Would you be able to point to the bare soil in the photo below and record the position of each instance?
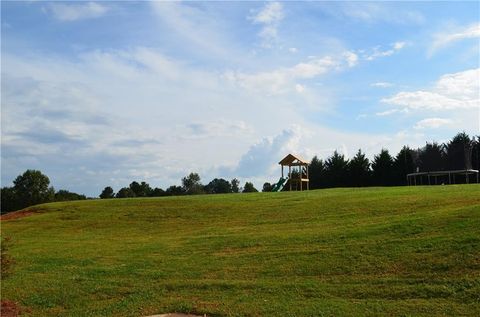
(9, 309)
(17, 214)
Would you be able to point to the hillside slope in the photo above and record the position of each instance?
(376, 251)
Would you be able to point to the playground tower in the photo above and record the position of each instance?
(297, 173)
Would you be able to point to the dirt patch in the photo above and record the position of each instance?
(17, 214)
(9, 309)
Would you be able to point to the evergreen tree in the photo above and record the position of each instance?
(336, 169)
(249, 188)
(107, 192)
(316, 171)
(403, 164)
(359, 170)
(382, 167)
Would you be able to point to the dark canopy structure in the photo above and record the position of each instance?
(441, 177)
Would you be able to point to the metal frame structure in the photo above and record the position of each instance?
(433, 177)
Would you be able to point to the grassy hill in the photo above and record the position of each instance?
(405, 251)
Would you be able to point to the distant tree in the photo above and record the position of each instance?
(235, 185)
(125, 192)
(65, 195)
(249, 188)
(218, 186)
(9, 199)
(432, 157)
(316, 171)
(175, 191)
(476, 153)
(404, 163)
(458, 152)
(336, 169)
(107, 192)
(382, 167)
(157, 192)
(33, 187)
(267, 187)
(192, 185)
(141, 190)
(359, 170)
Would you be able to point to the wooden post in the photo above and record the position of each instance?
(290, 176)
(282, 170)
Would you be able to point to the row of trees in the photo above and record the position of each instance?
(462, 152)
(31, 188)
(191, 185)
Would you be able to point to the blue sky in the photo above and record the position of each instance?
(104, 93)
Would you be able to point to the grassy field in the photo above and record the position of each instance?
(405, 251)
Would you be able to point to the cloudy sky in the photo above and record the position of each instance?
(104, 93)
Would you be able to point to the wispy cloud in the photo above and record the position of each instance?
(447, 38)
(269, 17)
(77, 11)
(432, 123)
(382, 84)
(378, 52)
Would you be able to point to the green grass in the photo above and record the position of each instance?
(405, 251)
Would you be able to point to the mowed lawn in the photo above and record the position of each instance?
(404, 251)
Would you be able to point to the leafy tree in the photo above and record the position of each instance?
(141, 190)
(157, 192)
(382, 167)
(191, 184)
(359, 170)
(235, 185)
(218, 186)
(249, 188)
(175, 191)
(107, 192)
(65, 195)
(459, 152)
(316, 171)
(432, 157)
(403, 164)
(125, 192)
(336, 169)
(9, 199)
(32, 187)
(267, 187)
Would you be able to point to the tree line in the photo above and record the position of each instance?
(32, 188)
(461, 152)
(191, 185)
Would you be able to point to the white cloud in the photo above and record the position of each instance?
(387, 112)
(282, 80)
(269, 17)
(77, 11)
(352, 58)
(382, 84)
(377, 52)
(432, 123)
(452, 91)
(293, 50)
(444, 39)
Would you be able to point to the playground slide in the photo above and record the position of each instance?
(278, 186)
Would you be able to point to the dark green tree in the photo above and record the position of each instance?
(359, 170)
(157, 192)
(476, 153)
(192, 185)
(403, 164)
(267, 187)
(249, 188)
(218, 186)
(10, 200)
(125, 192)
(382, 167)
(33, 187)
(458, 152)
(336, 169)
(107, 192)
(316, 171)
(432, 157)
(235, 185)
(65, 195)
(140, 189)
(175, 191)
